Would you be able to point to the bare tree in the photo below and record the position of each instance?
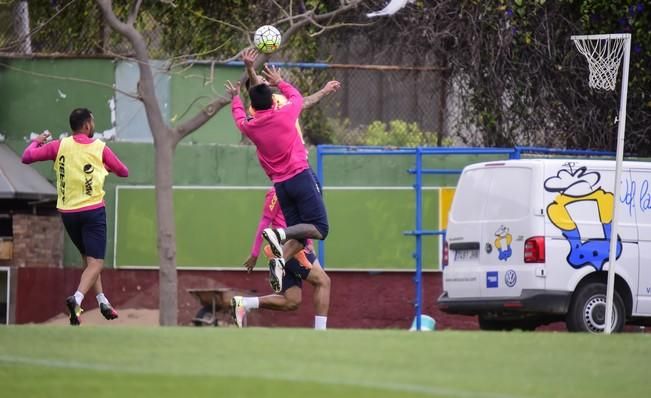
(21, 23)
(166, 138)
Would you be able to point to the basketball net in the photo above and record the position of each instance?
(604, 55)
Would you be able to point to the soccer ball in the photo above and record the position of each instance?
(267, 39)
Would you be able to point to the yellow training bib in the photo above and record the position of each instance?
(80, 174)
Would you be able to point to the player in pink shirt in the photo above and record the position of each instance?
(304, 266)
(81, 164)
(281, 154)
(272, 216)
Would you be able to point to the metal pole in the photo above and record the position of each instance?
(619, 157)
(419, 225)
(319, 175)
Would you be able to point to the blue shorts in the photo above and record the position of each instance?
(87, 230)
(294, 273)
(301, 200)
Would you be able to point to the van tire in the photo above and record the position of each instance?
(587, 310)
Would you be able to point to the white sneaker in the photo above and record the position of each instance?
(238, 312)
(271, 236)
(276, 272)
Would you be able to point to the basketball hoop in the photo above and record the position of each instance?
(604, 55)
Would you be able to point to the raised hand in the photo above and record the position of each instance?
(41, 138)
(331, 86)
(272, 75)
(248, 56)
(231, 89)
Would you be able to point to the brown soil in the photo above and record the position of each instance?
(133, 317)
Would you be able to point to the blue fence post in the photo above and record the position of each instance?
(419, 224)
(516, 154)
(319, 175)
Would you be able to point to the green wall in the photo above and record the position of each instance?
(215, 227)
(34, 102)
(192, 89)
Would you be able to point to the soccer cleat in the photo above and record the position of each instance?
(238, 312)
(108, 312)
(276, 272)
(302, 260)
(271, 236)
(74, 310)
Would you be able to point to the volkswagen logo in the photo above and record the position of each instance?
(510, 278)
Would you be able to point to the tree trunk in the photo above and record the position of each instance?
(168, 300)
(21, 27)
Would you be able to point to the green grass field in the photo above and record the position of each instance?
(40, 361)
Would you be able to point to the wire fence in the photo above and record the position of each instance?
(377, 105)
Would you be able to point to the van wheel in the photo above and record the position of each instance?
(587, 312)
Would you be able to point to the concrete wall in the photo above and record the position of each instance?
(358, 299)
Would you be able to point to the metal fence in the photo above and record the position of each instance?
(377, 105)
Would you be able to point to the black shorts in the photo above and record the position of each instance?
(301, 200)
(87, 230)
(294, 273)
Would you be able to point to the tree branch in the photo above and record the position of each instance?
(146, 89)
(207, 112)
(133, 14)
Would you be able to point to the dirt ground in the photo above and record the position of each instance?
(129, 316)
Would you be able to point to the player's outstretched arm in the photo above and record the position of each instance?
(248, 57)
(37, 150)
(329, 88)
(294, 97)
(237, 109)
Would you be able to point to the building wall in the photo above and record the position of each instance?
(38, 241)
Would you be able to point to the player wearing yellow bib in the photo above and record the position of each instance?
(80, 165)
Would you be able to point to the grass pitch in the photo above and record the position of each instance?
(48, 361)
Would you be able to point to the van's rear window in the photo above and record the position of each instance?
(491, 194)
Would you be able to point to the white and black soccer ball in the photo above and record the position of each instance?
(267, 39)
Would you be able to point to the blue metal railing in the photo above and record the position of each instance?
(419, 171)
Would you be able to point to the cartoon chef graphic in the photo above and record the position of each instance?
(503, 238)
(575, 185)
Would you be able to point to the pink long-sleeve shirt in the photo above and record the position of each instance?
(272, 215)
(36, 152)
(280, 149)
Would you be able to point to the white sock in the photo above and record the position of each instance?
(79, 297)
(101, 299)
(320, 322)
(251, 303)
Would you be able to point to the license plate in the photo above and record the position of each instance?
(466, 255)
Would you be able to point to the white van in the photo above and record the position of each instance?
(528, 242)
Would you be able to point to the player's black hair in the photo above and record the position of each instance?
(78, 117)
(261, 98)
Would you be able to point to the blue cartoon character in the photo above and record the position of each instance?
(503, 243)
(576, 186)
